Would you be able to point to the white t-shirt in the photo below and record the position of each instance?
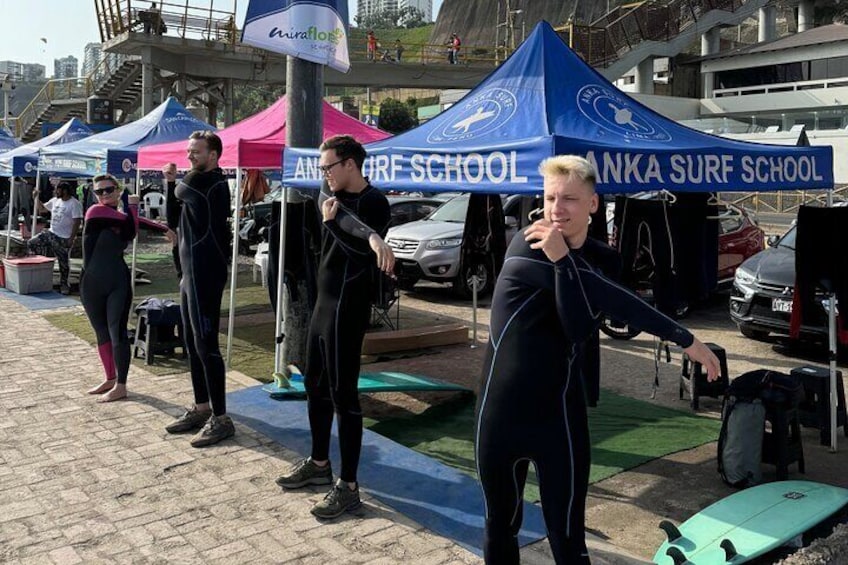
(62, 215)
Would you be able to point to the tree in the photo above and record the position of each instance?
(396, 117)
(390, 18)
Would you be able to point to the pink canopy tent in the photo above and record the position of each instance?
(257, 142)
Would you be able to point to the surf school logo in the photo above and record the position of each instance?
(126, 165)
(28, 167)
(481, 114)
(616, 113)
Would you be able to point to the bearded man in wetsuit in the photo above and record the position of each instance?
(549, 298)
(203, 239)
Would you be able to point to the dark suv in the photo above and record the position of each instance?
(761, 298)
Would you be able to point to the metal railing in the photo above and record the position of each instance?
(57, 90)
(209, 20)
(431, 54)
(787, 201)
(619, 31)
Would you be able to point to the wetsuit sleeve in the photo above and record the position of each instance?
(346, 221)
(173, 206)
(620, 303)
(129, 227)
(151, 225)
(354, 240)
(575, 315)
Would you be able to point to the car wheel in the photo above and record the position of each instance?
(406, 283)
(617, 330)
(751, 333)
(463, 285)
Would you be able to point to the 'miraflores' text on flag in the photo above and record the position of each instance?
(313, 30)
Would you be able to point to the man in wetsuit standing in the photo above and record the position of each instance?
(203, 240)
(532, 404)
(356, 217)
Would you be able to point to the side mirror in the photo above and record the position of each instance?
(772, 240)
(511, 222)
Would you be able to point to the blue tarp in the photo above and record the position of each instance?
(545, 100)
(7, 142)
(23, 161)
(116, 151)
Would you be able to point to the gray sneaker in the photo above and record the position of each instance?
(305, 472)
(192, 419)
(339, 500)
(217, 428)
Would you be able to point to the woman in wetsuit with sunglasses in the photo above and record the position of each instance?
(105, 287)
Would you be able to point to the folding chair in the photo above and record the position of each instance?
(386, 297)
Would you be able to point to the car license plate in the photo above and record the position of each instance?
(781, 305)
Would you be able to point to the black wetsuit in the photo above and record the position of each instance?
(531, 405)
(204, 244)
(339, 321)
(105, 288)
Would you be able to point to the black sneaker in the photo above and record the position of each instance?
(65, 289)
(339, 500)
(192, 419)
(217, 428)
(306, 472)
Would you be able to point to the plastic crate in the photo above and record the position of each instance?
(27, 275)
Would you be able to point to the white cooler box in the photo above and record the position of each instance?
(27, 275)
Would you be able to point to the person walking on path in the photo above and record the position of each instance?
(58, 240)
(203, 239)
(356, 217)
(105, 288)
(547, 301)
(371, 45)
(398, 50)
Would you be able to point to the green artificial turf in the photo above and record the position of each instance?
(625, 433)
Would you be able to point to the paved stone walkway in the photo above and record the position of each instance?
(82, 482)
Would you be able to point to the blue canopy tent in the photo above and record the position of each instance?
(7, 142)
(545, 100)
(116, 151)
(22, 161)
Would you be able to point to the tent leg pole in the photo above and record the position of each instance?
(35, 208)
(135, 239)
(279, 332)
(234, 268)
(832, 351)
(9, 220)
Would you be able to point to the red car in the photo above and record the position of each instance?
(739, 237)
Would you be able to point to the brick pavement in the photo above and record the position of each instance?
(82, 482)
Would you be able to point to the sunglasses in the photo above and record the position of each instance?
(326, 168)
(106, 190)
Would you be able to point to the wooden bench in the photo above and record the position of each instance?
(414, 338)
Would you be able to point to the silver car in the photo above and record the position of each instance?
(431, 249)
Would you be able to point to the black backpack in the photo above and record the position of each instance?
(743, 414)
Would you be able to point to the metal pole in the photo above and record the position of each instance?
(304, 128)
(831, 338)
(9, 221)
(35, 206)
(135, 239)
(234, 267)
(474, 312)
(280, 343)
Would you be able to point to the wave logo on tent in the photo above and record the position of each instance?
(615, 113)
(28, 167)
(126, 165)
(482, 113)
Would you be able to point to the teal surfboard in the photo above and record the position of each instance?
(749, 523)
(383, 381)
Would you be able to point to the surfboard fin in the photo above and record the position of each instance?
(729, 549)
(671, 531)
(676, 555)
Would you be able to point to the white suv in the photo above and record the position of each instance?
(431, 249)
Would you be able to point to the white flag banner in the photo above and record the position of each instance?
(313, 30)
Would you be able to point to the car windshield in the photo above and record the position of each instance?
(454, 210)
(788, 240)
